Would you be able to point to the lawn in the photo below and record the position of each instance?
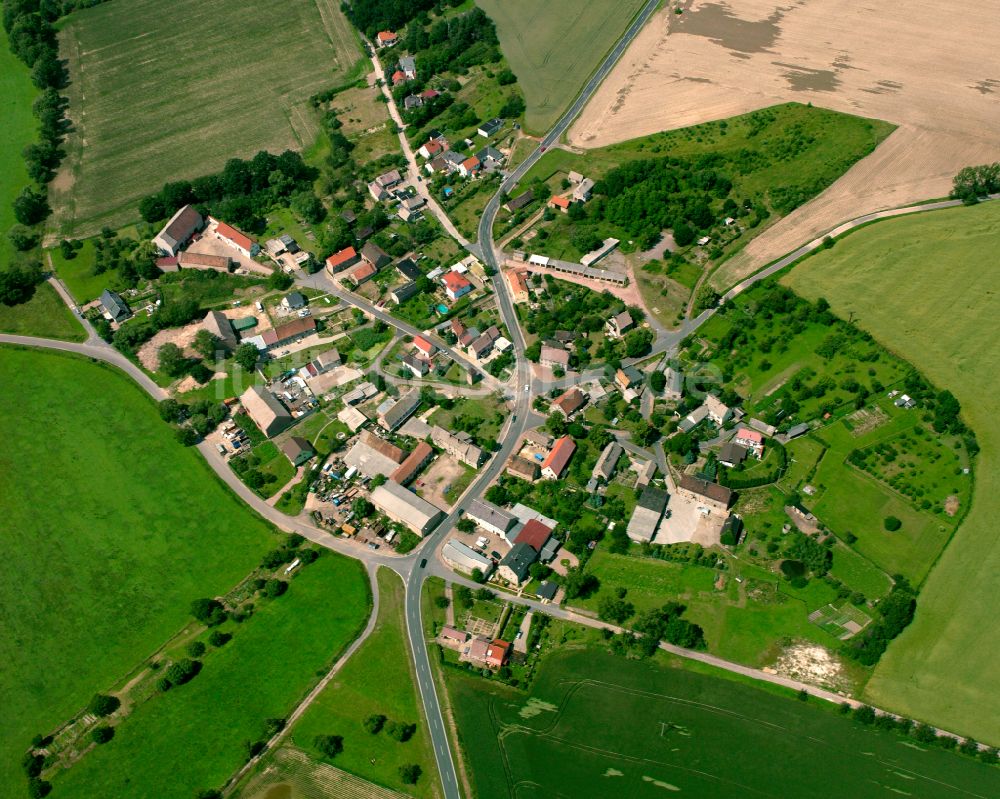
(44, 315)
(742, 621)
(554, 48)
(110, 530)
(378, 679)
(480, 417)
(194, 736)
(18, 130)
(78, 273)
(944, 667)
(596, 725)
(158, 101)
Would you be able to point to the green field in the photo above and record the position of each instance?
(194, 736)
(379, 678)
(926, 286)
(596, 725)
(44, 315)
(17, 131)
(110, 530)
(553, 48)
(160, 97)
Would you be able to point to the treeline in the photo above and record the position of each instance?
(372, 16)
(895, 613)
(240, 194)
(454, 44)
(975, 182)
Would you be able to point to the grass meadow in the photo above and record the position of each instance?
(44, 315)
(159, 97)
(17, 93)
(926, 287)
(110, 530)
(379, 678)
(194, 736)
(596, 725)
(554, 48)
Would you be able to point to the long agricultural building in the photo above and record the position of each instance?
(403, 506)
(575, 269)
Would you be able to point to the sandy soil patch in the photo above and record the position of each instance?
(181, 336)
(951, 505)
(812, 664)
(437, 478)
(190, 384)
(930, 70)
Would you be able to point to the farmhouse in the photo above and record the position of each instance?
(403, 292)
(285, 334)
(464, 558)
(490, 127)
(553, 357)
(732, 455)
(483, 345)
(489, 653)
(647, 514)
(523, 468)
(179, 230)
(415, 461)
(431, 148)
(342, 260)
(362, 273)
(418, 366)
(674, 388)
(518, 285)
(535, 534)
(751, 439)
(219, 326)
(323, 363)
(718, 411)
(619, 324)
(455, 285)
(372, 456)
(517, 203)
(469, 166)
(462, 449)
(400, 411)
(583, 190)
(562, 203)
(693, 419)
(569, 402)
(408, 269)
(628, 377)
(374, 255)
(386, 39)
(114, 307)
(490, 517)
(424, 346)
(239, 241)
(265, 410)
(405, 507)
(197, 260)
(515, 568)
(711, 494)
(297, 450)
(558, 458)
(605, 467)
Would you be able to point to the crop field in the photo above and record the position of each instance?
(110, 530)
(18, 130)
(596, 725)
(378, 678)
(159, 97)
(44, 315)
(720, 59)
(944, 666)
(194, 736)
(554, 48)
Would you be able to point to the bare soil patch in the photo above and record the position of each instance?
(813, 664)
(181, 336)
(931, 72)
(437, 478)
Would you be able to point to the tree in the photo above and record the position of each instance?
(864, 714)
(466, 525)
(377, 480)
(478, 576)
(657, 381)
(172, 360)
(892, 524)
(218, 638)
(579, 583)
(374, 723)
(195, 649)
(279, 281)
(103, 705)
(638, 342)
(275, 588)
(615, 610)
(184, 670)
(441, 601)
(102, 734)
(209, 612)
(38, 788)
(329, 745)
(410, 773)
(206, 344)
(17, 285)
(400, 731)
(31, 207)
(362, 508)
(246, 355)
(22, 238)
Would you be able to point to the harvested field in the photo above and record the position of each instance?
(153, 100)
(876, 61)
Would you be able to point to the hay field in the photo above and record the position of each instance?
(158, 95)
(926, 286)
(929, 69)
(554, 47)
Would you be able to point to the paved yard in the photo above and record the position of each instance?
(686, 520)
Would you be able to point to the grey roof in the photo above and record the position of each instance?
(622, 320)
(465, 557)
(408, 63)
(417, 365)
(798, 430)
(489, 154)
(296, 300)
(519, 560)
(648, 512)
(370, 461)
(402, 505)
(547, 590)
(404, 292)
(491, 126)
(482, 511)
(605, 466)
(693, 419)
(219, 326)
(114, 304)
(549, 550)
(401, 410)
(732, 453)
(675, 381)
(408, 269)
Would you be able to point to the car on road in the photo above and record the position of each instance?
(541, 149)
(526, 389)
(519, 634)
(423, 563)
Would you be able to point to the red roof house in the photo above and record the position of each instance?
(232, 235)
(424, 346)
(386, 38)
(534, 534)
(555, 463)
(340, 261)
(562, 203)
(497, 653)
(398, 76)
(455, 285)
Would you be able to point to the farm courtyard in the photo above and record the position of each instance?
(153, 108)
(717, 59)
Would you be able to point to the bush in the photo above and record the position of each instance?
(38, 788)
(209, 611)
(329, 745)
(218, 638)
(195, 649)
(275, 588)
(182, 671)
(864, 714)
(410, 773)
(400, 731)
(103, 705)
(102, 734)
(892, 524)
(374, 723)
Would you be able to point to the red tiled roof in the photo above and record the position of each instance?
(534, 534)
(457, 327)
(231, 233)
(560, 454)
(423, 345)
(341, 257)
(433, 147)
(454, 281)
(517, 280)
(429, 94)
(496, 653)
(413, 461)
(749, 435)
(560, 202)
(398, 75)
(571, 401)
(471, 162)
(386, 36)
(363, 272)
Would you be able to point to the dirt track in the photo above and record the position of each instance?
(931, 71)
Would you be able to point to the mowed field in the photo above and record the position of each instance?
(554, 47)
(17, 131)
(110, 529)
(931, 72)
(157, 97)
(926, 286)
(597, 725)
